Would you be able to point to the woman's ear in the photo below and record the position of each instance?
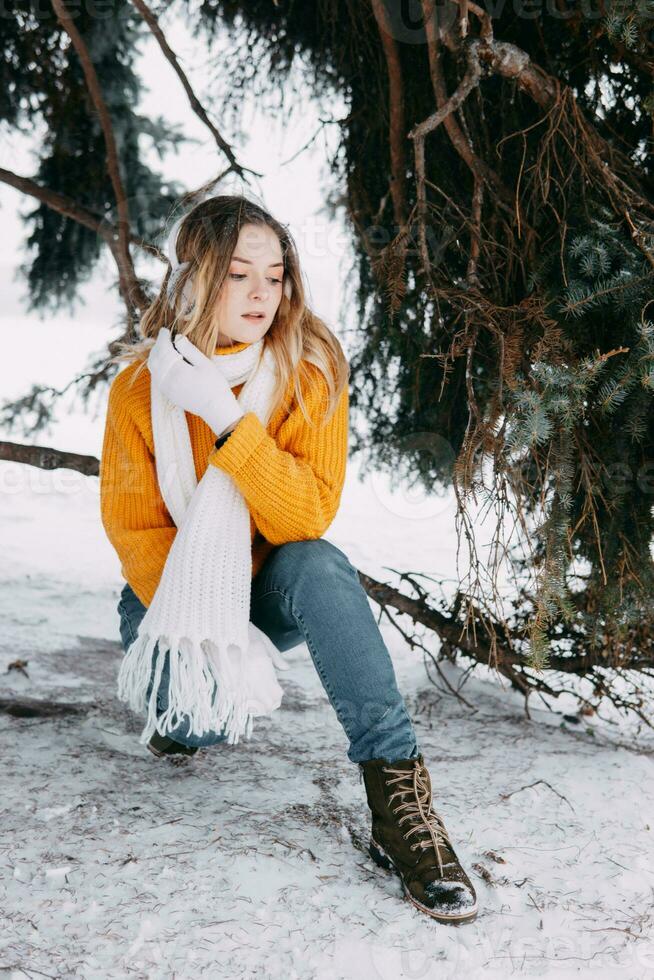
(288, 287)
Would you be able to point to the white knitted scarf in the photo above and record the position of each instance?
(221, 665)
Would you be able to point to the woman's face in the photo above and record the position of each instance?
(254, 285)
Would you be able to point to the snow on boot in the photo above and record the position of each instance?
(408, 836)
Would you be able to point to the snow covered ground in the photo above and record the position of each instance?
(251, 860)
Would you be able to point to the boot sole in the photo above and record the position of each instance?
(167, 755)
(381, 858)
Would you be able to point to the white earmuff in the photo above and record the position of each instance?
(178, 268)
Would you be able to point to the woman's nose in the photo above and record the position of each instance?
(259, 291)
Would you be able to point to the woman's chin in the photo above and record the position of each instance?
(244, 334)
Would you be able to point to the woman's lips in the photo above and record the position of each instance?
(255, 319)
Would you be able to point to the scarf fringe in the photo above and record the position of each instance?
(205, 687)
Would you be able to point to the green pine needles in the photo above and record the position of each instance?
(584, 412)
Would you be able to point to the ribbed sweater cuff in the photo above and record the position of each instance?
(242, 443)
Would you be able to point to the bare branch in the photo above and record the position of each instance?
(397, 130)
(195, 103)
(418, 135)
(510, 61)
(486, 22)
(469, 81)
(47, 458)
(461, 144)
(35, 708)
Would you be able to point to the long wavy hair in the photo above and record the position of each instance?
(206, 239)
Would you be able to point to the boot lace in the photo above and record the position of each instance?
(419, 811)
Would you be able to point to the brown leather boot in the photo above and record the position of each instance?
(161, 745)
(410, 837)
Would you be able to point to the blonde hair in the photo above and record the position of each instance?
(206, 239)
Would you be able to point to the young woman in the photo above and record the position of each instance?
(230, 312)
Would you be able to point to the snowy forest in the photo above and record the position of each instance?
(471, 190)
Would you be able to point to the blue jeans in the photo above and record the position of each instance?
(307, 591)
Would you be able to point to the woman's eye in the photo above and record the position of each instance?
(241, 275)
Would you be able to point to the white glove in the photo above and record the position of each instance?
(199, 387)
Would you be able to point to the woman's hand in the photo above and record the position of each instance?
(199, 387)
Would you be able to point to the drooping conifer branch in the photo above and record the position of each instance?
(133, 293)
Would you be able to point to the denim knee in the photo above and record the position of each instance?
(313, 557)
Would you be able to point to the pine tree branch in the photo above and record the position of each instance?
(35, 708)
(197, 107)
(419, 133)
(397, 125)
(479, 168)
(66, 206)
(510, 61)
(485, 54)
(502, 657)
(47, 458)
(130, 286)
(57, 202)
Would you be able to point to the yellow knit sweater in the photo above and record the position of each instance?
(290, 474)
